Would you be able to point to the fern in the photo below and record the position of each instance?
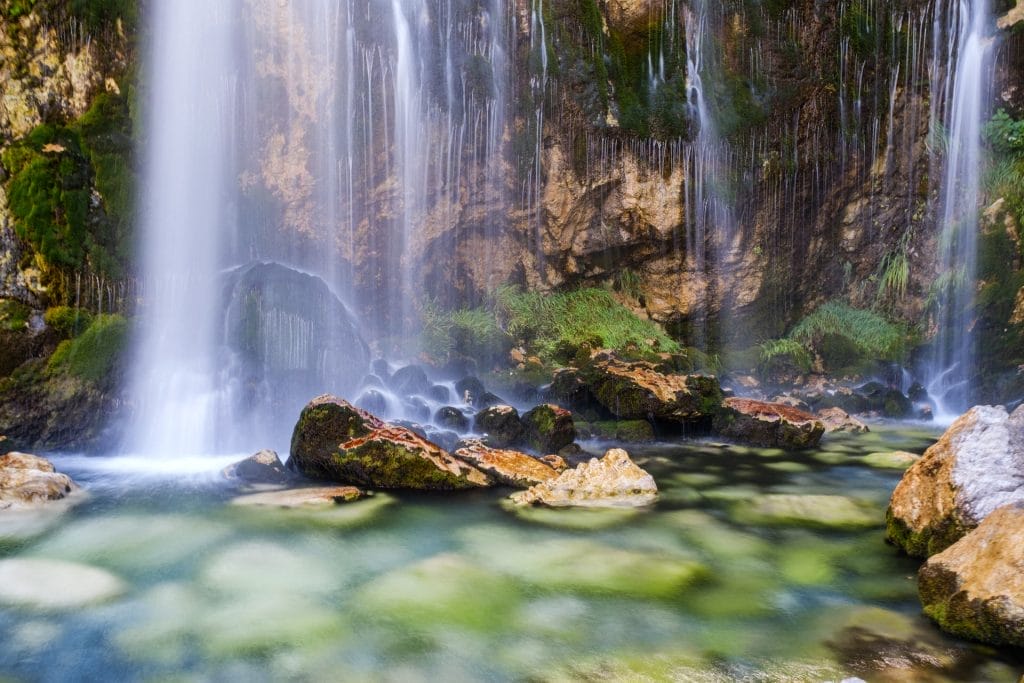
(871, 334)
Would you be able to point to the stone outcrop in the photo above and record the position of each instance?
(511, 468)
(28, 481)
(637, 390)
(548, 428)
(976, 467)
(975, 587)
(769, 425)
(301, 497)
(612, 481)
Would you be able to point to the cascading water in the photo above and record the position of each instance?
(185, 208)
(298, 158)
(969, 47)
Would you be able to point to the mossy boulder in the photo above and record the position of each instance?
(637, 390)
(395, 458)
(768, 425)
(976, 467)
(450, 417)
(501, 424)
(324, 424)
(975, 587)
(511, 468)
(548, 428)
(626, 431)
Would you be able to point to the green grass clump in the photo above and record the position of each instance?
(555, 326)
(93, 355)
(778, 354)
(868, 332)
(471, 332)
(67, 321)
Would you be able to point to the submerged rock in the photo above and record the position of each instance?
(895, 460)
(506, 467)
(769, 425)
(300, 498)
(635, 390)
(323, 425)
(548, 428)
(838, 420)
(975, 587)
(612, 481)
(55, 585)
(396, 458)
(976, 467)
(501, 424)
(816, 511)
(264, 467)
(28, 481)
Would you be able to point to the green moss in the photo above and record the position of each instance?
(66, 321)
(14, 315)
(383, 463)
(93, 356)
(628, 431)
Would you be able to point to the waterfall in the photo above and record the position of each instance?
(300, 157)
(969, 50)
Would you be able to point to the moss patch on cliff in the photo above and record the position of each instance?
(93, 355)
(71, 193)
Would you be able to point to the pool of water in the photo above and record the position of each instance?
(710, 584)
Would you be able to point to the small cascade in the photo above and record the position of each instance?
(964, 108)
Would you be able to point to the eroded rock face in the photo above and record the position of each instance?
(637, 390)
(976, 467)
(548, 428)
(770, 425)
(975, 587)
(396, 458)
(511, 468)
(612, 481)
(28, 481)
(325, 423)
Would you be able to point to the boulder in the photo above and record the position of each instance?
(324, 423)
(501, 425)
(769, 425)
(409, 380)
(468, 389)
(264, 467)
(416, 408)
(548, 428)
(450, 417)
(28, 481)
(612, 481)
(395, 458)
(975, 587)
(439, 393)
(976, 467)
(301, 497)
(373, 401)
(637, 390)
(511, 468)
(838, 420)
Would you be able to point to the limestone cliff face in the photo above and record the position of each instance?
(52, 65)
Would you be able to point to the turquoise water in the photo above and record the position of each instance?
(714, 583)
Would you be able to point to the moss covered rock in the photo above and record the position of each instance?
(637, 390)
(769, 425)
(814, 511)
(548, 428)
(627, 431)
(975, 587)
(501, 425)
(323, 425)
(976, 467)
(395, 458)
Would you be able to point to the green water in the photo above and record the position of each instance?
(715, 583)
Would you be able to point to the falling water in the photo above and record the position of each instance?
(185, 210)
(969, 47)
(301, 156)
